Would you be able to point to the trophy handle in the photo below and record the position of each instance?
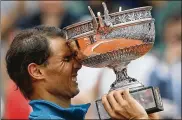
(95, 24)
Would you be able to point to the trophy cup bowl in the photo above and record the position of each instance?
(114, 40)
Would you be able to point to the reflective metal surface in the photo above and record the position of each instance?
(113, 40)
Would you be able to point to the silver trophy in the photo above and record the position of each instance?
(114, 40)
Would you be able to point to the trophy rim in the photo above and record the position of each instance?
(120, 25)
(111, 14)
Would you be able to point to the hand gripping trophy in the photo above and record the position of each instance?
(113, 40)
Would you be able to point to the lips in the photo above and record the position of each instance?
(74, 75)
(74, 79)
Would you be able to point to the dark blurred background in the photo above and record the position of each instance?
(160, 67)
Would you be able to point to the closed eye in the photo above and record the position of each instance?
(67, 58)
(75, 54)
(70, 57)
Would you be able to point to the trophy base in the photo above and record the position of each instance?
(148, 97)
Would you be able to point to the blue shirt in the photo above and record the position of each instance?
(43, 109)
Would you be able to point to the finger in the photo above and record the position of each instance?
(122, 103)
(109, 110)
(112, 100)
(118, 96)
(127, 95)
(106, 105)
(154, 116)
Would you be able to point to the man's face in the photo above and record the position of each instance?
(61, 71)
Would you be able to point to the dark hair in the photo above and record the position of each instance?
(29, 46)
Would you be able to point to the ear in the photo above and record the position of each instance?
(35, 71)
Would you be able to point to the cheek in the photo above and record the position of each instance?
(59, 68)
(65, 70)
(59, 73)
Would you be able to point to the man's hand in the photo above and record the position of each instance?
(154, 116)
(120, 104)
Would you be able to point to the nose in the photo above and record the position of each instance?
(77, 64)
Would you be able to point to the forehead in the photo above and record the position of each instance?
(58, 45)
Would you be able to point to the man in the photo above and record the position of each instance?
(44, 68)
